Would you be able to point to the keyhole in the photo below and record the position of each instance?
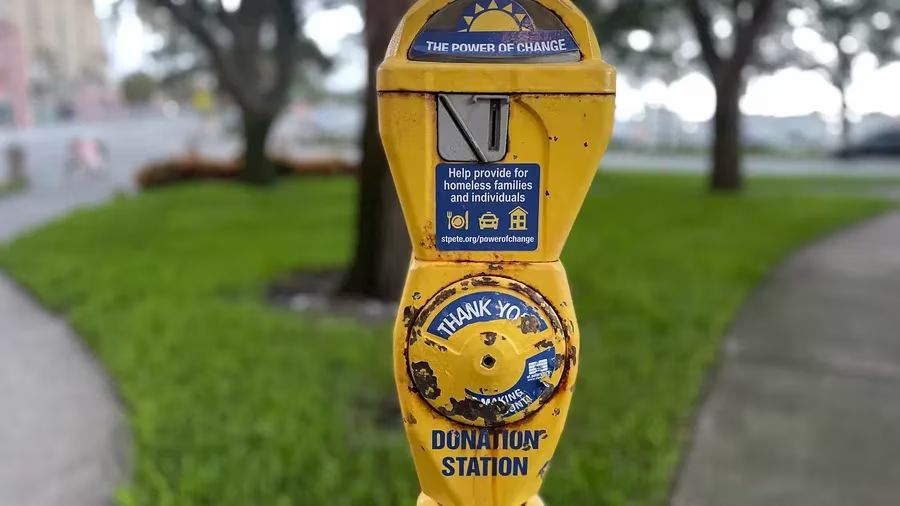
(488, 362)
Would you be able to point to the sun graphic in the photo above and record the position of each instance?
(496, 16)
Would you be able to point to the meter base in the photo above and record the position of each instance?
(424, 500)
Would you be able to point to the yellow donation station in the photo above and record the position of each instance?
(494, 115)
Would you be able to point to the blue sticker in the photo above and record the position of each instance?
(494, 44)
(487, 207)
(530, 387)
(481, 307)
(494, 29)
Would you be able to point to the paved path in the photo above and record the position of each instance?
(63, 437)
(755, 165)
(804, 409)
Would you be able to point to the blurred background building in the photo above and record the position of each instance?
(57, 49)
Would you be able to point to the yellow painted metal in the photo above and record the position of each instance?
(421, 420)
(565, 134)
(590, 75)
(561, 117)
(485, 358)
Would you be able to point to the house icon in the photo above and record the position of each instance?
(518, 220)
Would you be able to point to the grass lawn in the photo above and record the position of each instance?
(234, 402)
(9, 188)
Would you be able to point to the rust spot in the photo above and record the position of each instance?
(573, 355)
(547, 193)
(409, 319)
(417, 296)
(555, 139)
(410, 419)
(434, 344)
(472, 410)
(515, 157)
(544, 469)
(546, 394)
(428, 240)
(556, 412)
(543, 345)
(485, 281)
(425, 380)
(495, 267)
(586, 144)
(529, 324)
(412, 337)
(560, 361)
(535, 296)
(489, 338)
(438, 300)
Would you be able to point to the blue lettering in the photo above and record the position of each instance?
(484, 466)
(448, 467)
(520, 467)
(453, 440)
(438, 439)
(468, 439)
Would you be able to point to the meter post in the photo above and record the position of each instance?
(494, 115)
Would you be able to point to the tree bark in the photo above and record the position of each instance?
(841, 79)
(845, 119)
(382, 252)
(727, 74)
(726, 154)
(258, 168)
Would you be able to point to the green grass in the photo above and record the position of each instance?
(8, 188)
(233, 402)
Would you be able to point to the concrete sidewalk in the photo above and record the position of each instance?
(804, 409)
(63, 437)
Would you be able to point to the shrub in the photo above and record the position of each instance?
(192, 168)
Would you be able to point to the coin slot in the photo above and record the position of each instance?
(495, 125)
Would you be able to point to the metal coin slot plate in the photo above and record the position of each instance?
(473, 128)
(487, 351)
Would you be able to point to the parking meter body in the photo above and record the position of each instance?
(494, 115)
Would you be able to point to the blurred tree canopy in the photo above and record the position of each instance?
(139, 88)
(666, 38)
(850, 28)
(252, 46)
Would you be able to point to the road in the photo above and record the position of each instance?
(131, 144)
(755, 165)
(134, 142)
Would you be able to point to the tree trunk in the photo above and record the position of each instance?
(382, 242)
(258, 168)
(845, 120)
(726, 156)
(841, 79)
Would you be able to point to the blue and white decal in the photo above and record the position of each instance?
(487, 207)
(481, 307)
(494, 29)
(530, 387)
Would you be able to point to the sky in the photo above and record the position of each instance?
(788, 92)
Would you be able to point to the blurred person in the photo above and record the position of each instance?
(87, 155)
(16, 161)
